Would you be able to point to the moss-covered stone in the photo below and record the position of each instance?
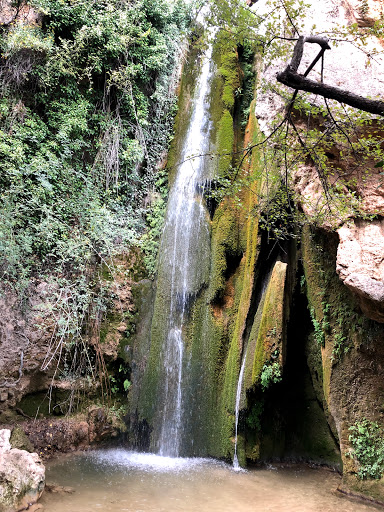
(229, 69)
(270, 334)
(350, 346)
(224, 143)
(19, 440)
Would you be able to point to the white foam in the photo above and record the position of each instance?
(147, 461)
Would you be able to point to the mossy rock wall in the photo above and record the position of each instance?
(241, 305)
(202, 332)
(268, 334)
(351, 354)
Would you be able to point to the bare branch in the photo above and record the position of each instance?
(292, 78)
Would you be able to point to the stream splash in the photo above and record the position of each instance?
(120, 458)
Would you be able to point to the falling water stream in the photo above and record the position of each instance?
(236, 465)
(180, 267)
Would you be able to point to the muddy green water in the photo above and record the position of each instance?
(118, 480)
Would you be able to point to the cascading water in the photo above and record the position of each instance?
(236, 465)
(183, 263)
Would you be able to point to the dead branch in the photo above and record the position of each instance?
(292, 78)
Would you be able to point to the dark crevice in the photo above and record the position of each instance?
(140, 433)
(293, 422)
(232, 264)
(207, 190)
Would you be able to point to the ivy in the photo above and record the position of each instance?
(86, 112)
(79, 154)
(367, 440)
(271, 374)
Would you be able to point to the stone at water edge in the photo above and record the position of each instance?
(22, 476)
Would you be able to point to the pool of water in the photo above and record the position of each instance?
(119, 480)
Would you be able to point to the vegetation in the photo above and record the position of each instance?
(367, 439)
(86, 112)
(271, 374)
(322, 135)
(79, 154)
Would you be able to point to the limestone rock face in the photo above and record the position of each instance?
(344, 64)
(25, 13)
(367, 13)
(22, 476)
(360, 264)
(24, 342)
(359, 189)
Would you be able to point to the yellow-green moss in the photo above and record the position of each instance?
(229, 69)
(225, 141)
(271, 331)
(225, 240)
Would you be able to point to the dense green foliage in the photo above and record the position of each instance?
(86, 111)
(271, 374)
(367, 439)
(87, 101)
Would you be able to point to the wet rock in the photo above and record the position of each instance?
(99, 426)
(22, 476)
(60, 489)
(360, 264)
(51, 436)
(20, 440)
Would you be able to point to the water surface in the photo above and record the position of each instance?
(118, 480)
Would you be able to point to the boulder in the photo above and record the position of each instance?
(22, 476)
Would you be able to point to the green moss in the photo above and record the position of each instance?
(20, 440)
(229, 69)
(226, 58)
(206, 334)
(225, 241)
(243, 286)
(224, 144)
(271, 328)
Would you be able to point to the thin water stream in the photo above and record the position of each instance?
(118, 480)
(236, 465)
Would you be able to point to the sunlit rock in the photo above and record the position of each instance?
(360, 264)
(22, 476)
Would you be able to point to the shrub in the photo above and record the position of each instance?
(367, 440)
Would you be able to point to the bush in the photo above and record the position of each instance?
(367, 439)
(86, 112)
(271, 374)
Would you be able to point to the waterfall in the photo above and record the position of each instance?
(236, 465)
(184, 253)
